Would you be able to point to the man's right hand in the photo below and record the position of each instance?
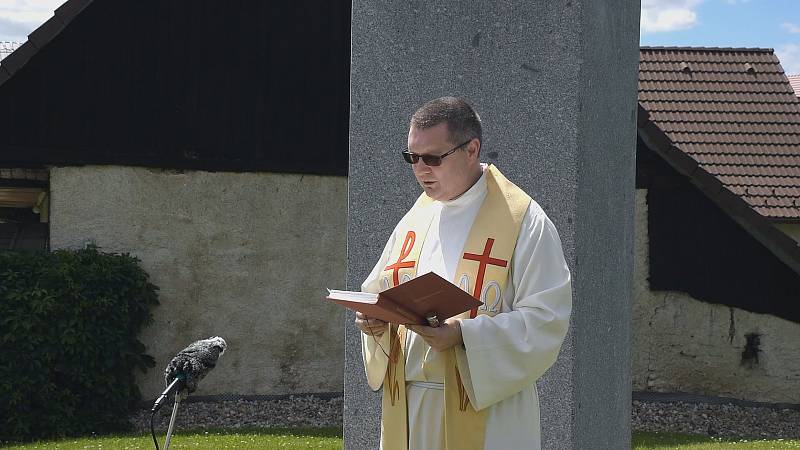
(368, 325)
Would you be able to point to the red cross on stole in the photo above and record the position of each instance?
(483, 260)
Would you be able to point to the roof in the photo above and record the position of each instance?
(40, 37)
(734, 113)
(6, 48)
(794, 80)
(68, 96)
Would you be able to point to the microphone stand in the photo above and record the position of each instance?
(178, 397)
(177, 386)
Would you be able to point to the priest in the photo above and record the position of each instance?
(469, 383)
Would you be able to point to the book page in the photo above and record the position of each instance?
(353, 296)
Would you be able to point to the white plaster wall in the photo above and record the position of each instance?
(685, 345)
(246, 256)
(790, 229)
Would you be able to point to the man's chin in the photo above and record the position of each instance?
(434, 193)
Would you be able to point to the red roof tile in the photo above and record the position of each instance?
(794, 80)
(734, 112)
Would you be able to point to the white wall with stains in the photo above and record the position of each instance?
(246, 256)
(681, 344)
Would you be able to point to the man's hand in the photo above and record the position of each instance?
(440, 338)
(368, 325)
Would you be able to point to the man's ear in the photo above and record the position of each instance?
(474, 148)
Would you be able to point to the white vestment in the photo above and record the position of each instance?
(504, 355)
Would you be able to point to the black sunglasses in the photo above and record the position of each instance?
(430, 160)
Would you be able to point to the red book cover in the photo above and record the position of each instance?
(410, 302)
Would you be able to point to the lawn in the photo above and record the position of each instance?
(257, 438)
(664, 441)
(331, 439)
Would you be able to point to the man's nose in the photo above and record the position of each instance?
(421, 167)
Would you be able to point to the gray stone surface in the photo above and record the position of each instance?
(245, 256)
(555, 83)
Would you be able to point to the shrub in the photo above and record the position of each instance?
(69, 322)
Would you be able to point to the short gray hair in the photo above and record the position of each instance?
(462, 121)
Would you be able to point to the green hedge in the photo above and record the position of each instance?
(69, 322)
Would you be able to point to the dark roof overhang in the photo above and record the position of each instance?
(781, 245)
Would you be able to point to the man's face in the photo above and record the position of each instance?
(457, 171)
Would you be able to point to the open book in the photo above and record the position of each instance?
(411, 302)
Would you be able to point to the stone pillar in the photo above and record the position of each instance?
(555, 84)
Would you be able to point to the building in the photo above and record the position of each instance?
(718, 219)
(6, 48)
(207, 144)
(794, 80)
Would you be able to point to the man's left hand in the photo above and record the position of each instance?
(440, 338)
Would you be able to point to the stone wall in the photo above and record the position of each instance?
(681, 344)
(246, 256)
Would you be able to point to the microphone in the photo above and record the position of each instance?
(176, 385)
(190, 366)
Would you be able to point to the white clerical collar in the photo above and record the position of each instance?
(473, 193)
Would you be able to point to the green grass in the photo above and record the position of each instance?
(664, 441)
(256, 438)
(331, 439)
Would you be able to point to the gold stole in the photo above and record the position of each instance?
(485, 262)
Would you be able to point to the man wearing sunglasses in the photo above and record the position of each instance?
(470, 382)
